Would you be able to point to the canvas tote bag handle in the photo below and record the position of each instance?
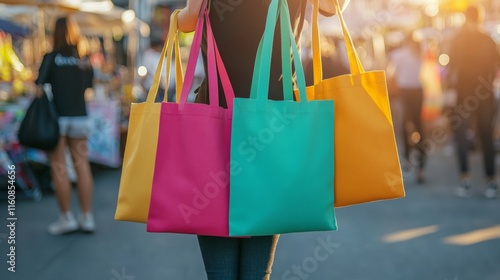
(171, 45)
(262, 69)
(214, 63)
(354, 61)
(224, 78)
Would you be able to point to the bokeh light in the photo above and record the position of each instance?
(444, 59)
(142, 71)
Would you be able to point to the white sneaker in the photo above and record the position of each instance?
(491, 190)
(86, 222)
(463, 191)
(65, 224)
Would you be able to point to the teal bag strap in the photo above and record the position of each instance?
(285, 52)
(269, 29)
(299, 70)
(255, 75)
(262, 67)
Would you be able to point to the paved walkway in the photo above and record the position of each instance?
(429, 235)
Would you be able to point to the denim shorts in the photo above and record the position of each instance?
(74, 127)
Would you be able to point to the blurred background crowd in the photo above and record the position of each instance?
(124, 37)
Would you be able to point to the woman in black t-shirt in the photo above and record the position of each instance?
(70, 74)
(238, 26)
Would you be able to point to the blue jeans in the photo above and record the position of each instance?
(238, 258)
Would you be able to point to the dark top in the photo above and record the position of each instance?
(69, 77)
(474, 59)
(238, 28)
(332, 67)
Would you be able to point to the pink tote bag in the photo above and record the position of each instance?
(190, 191)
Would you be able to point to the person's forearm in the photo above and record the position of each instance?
(188, 16)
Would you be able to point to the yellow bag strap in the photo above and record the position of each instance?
(171, 45)
(354, 61)
(316, 45)
(179, 73)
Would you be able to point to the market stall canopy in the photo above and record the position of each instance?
(93, 17)
(65, 4)
(14, 29)
(99, 17)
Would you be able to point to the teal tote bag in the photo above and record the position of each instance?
(281, 151)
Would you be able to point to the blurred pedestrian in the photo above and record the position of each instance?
(150, 60)
(474, 61)
(70, 74)
(238, 27)
(405, 69)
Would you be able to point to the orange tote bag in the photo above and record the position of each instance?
(367, 166)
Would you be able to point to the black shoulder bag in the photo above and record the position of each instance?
(40, 127)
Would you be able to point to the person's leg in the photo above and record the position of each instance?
(485, 128)
(416, 118)
(462, 145)
(77, 142)
(257, 257)
(62, 186)
(460, 126)
(220, 257)
(486, 115)
(78, 149)
(406, 114)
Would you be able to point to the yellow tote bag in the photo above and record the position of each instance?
(140, 150)
(367, 165)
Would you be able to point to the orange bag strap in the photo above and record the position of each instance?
(354, 61)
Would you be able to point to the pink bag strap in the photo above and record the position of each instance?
(224, 78)
(214, 64)
(213, 85)
(193, 57)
